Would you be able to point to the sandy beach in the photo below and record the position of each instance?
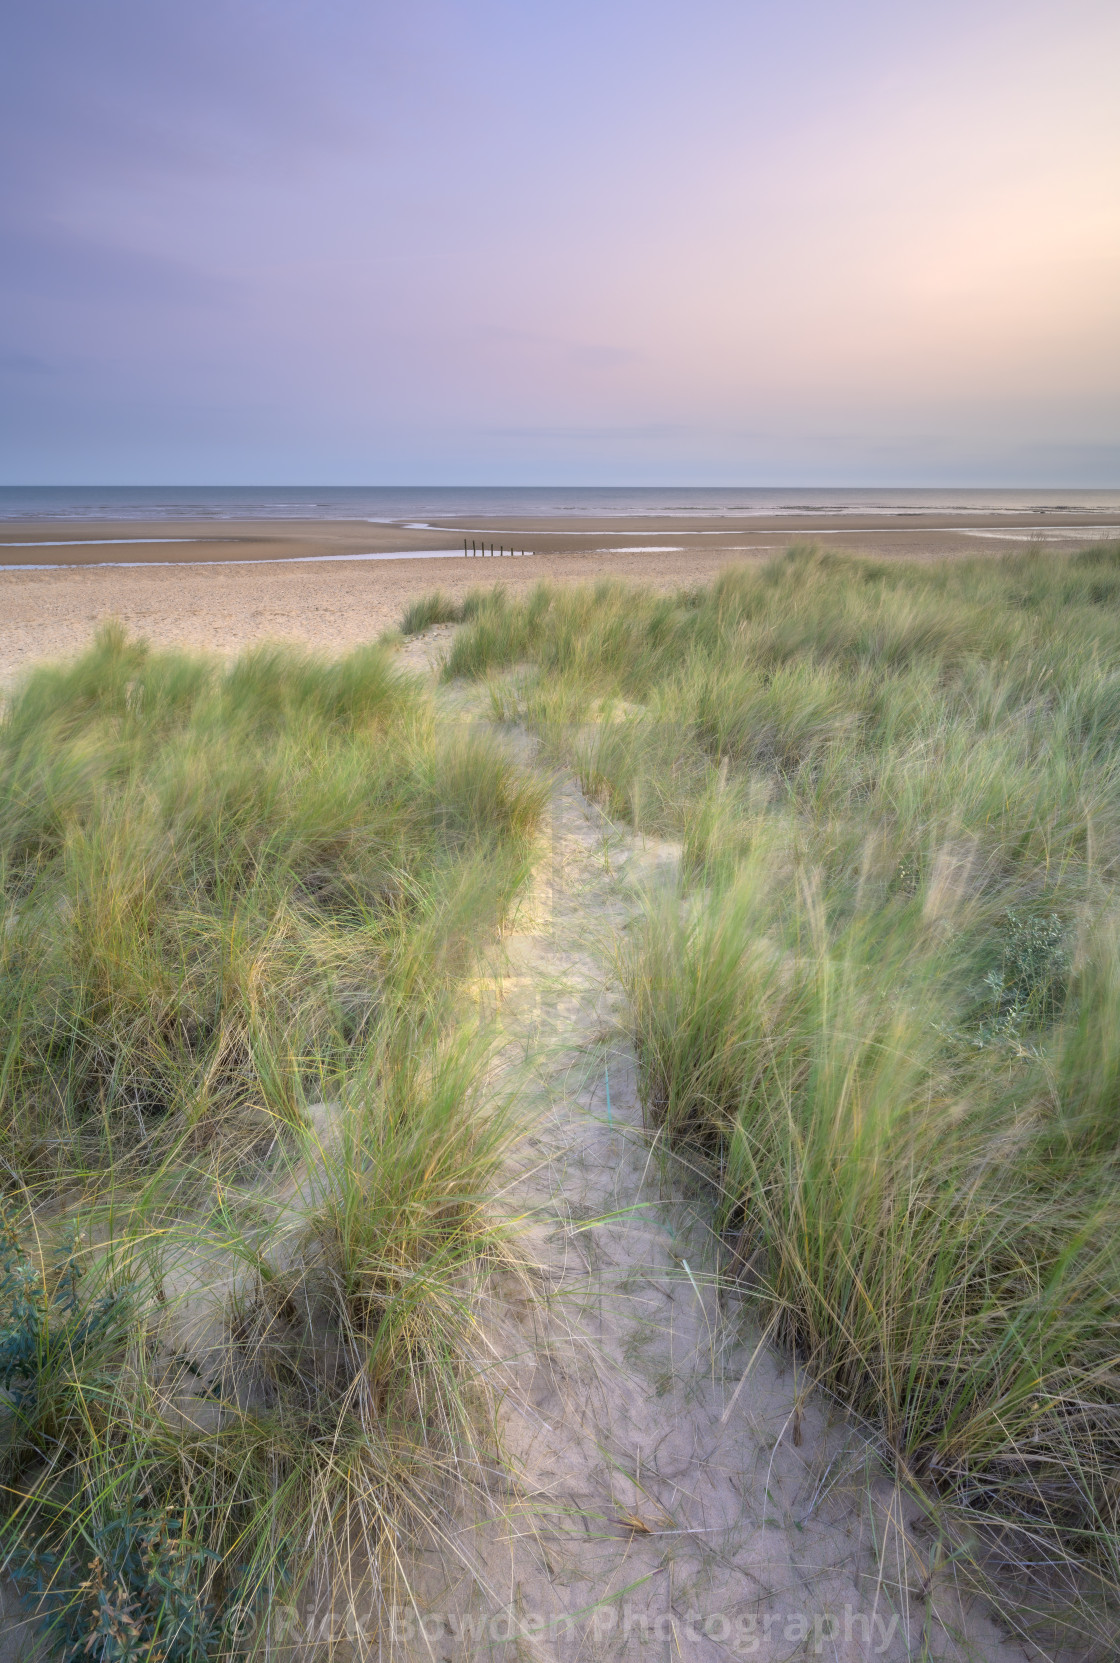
(305, 580)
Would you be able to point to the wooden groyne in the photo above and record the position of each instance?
(482, 552)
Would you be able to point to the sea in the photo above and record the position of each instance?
(420, 506)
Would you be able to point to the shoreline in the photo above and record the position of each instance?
(1048, 533)
(330, 586)
(246, 542)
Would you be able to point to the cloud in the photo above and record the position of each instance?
(617, 232)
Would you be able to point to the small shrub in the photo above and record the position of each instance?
(1028, 989)
(143, 1597)
(44, 1330)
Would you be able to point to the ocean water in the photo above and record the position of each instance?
(421, 506)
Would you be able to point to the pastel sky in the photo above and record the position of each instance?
(560, 241)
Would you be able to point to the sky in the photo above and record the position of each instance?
(824, 242)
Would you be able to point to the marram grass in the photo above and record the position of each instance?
(882, 1011)
(249, 1145)
(217, 884)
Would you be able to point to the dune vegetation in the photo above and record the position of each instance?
(252, 1134)
(248, 1161)
(881, 1010)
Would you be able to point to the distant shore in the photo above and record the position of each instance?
(304, 580)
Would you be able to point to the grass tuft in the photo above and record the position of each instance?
(248, 1152)
(882, 1010)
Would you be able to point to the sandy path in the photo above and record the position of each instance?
(678, 1492)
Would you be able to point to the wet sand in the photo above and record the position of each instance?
(283, 588)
